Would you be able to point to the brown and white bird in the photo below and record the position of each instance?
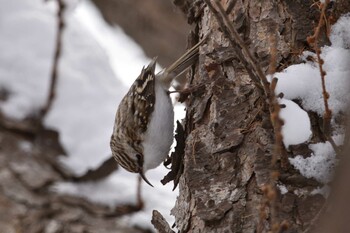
(144, 122)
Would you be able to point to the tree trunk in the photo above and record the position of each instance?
(229, 135)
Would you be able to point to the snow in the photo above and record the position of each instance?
(87, 96)
(297, 127)
(20, 30)
(324, 191)
(125, 56)
(303, 82)
(340, 36)
(320, 165)
(282, 188)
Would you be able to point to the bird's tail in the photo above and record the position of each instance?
(181, 64)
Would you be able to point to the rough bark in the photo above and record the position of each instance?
(230, 138)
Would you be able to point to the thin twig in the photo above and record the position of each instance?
(313, 41)
(99, 173)
(270, 190)
(328, 112)
(277, 123)
(277, 152)
(54, 71)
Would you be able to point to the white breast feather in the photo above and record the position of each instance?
(159, 136)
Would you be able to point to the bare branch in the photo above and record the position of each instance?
(54, 71)
(104, 170)
(313, 41)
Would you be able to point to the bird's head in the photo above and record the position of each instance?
(128, 158)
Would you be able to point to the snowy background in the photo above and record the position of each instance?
(97, 66)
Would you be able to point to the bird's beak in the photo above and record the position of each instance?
(144, 178)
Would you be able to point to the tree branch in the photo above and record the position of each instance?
(54, 71)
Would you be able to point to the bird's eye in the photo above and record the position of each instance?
(139, 159)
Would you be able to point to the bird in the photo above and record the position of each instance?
(144, 121)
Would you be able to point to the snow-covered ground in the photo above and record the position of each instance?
(97, 64)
